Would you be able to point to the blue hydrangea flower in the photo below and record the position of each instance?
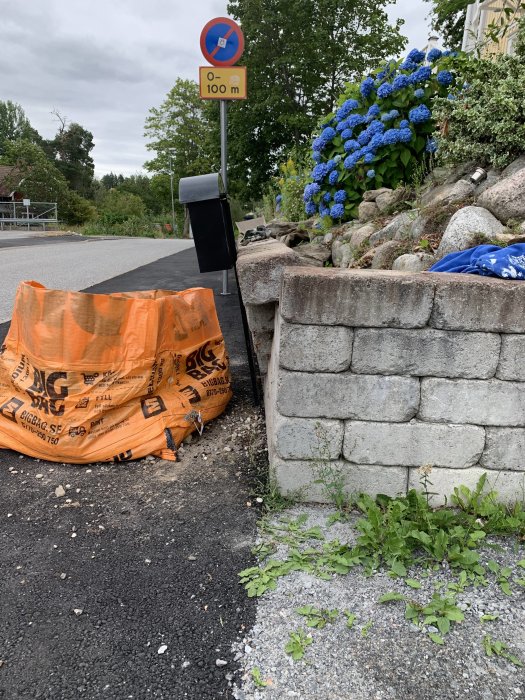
(405, 135)
(350, 146)
(338, 158)
(351, 160)
(279, 198)
(367, 87)
(310, 208)
(374, 111)
(327, 197)
(419, 93)
(341, 126)
(319, 172)
(419, 115)
(400, 82)
(369, 158)
(316, 155)
(385, 90)
(433, 55)
(431, 146)
(390, 137)
(328, 134)
(355, 120)
(404, 124)
(364, 137)
(376, 127)
(389, 116)
(371, 173)
(340, 196)
(408, 65)
(323, 211)
(310, 190)
(421, 75)
(330, 164)
(318, 144)
(337, 211)
(346, 134)
(333, 177)
(416, 56)
(375, 142)
(347, 108)
(445, 78)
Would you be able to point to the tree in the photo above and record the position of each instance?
(40, 180)
(111, 180)
(183, 135)
(299, 54)
(118, 206)
(14, 125)
(71, 150)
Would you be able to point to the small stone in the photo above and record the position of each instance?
(162, 649)
(60, 491)
(192, 557)
(185, 664)
(68, 486)
(73, 534)
(9, 515)
(39, 476)
(220, 662)
(147, 561)
(63, 576)
(78, 611)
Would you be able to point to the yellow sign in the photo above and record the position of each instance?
(223, 83)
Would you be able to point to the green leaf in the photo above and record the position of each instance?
(412, 583)
(406, 157)
(443, 624)
(436, 639)
(488, 618)
(398, 569)
(521, 563)
(388, 597)
(505, 587)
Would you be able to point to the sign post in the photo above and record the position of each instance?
(222, 45)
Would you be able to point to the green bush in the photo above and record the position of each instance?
(380, 135)
(118, 206)
(76, 210)
(136, 226)
(485, 120)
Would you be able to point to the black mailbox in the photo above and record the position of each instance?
(211, 221)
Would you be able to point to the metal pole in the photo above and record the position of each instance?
(172, 199)
(224, 173)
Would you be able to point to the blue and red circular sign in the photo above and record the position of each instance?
(222, 42)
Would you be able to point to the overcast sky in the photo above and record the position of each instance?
(104, 63)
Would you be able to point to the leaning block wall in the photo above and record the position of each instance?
(375, 374)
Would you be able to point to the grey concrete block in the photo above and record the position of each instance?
(308, 438)
(413, 444)
(297, 478)
(261, 317)
(356, 298)
(359, 396)
(511, 362)
(472, 303)
(425, 352)
(481, 402)
(504, 449)
(316, 348)
(510, 486)
(260, 268)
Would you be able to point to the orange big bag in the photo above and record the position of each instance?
(110, 377)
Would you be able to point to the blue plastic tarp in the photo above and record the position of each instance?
(488, 260)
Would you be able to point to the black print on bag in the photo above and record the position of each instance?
(152, 406)
(9, 409)
(46, 393)
(123, 456)
(192, 392)
(202, 362)
(77, 431)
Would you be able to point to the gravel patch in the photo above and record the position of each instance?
(383, 656)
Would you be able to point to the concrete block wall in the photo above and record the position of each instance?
(374, 374)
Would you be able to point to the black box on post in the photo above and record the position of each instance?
(211, 221)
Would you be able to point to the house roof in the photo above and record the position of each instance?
(6, 172)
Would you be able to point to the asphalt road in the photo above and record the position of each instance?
(149, 551)
(72, 262)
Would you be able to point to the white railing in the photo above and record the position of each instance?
(18, 214)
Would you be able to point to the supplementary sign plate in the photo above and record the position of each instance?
(223, 83)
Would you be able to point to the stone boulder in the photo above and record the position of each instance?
(368, 211)
(448, 194)
(506, 200)
(343, 254)
(413, 262)
(372, 195)
(313, 254)
(430, 222)
(397, 228)
(493, 177)
(359, 235)
(514, 167)
(389, 199)
(465, 226)
(385, 254)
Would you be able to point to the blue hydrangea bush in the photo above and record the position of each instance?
(380, 133)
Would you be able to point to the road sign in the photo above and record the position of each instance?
(222, 42)
(223, 83)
